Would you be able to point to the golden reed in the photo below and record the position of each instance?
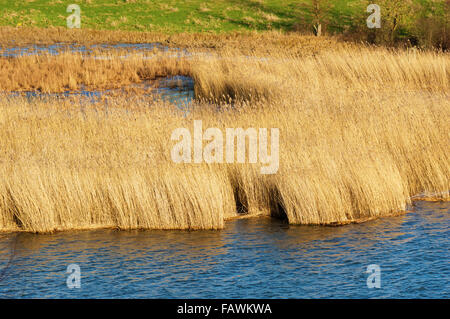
(362, 130)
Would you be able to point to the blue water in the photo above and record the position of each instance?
(55, 49)
(253, 258)
(177, 90)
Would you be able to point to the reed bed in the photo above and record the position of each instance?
(95, 71)
(362, 131)
(247, 42)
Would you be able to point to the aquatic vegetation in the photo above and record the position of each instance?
(96, 71)
(362, 131)
(247, 42)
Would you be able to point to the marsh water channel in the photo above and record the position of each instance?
(177, 90)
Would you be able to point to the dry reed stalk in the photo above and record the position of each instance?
(248, 42)
(361, 132)
(96, 71)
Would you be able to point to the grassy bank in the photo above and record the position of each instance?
(416, 22)
(160, 15)
(362, 130)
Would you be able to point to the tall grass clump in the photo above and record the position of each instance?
(362, 132)
(97, 70)
(69, 170)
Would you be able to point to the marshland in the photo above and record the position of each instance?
(86, 119)
(363, 131)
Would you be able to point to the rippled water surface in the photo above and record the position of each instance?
(253, 258)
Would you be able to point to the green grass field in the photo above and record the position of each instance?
(418, 22)
(170, 15)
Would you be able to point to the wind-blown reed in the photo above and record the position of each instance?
(361, 131)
